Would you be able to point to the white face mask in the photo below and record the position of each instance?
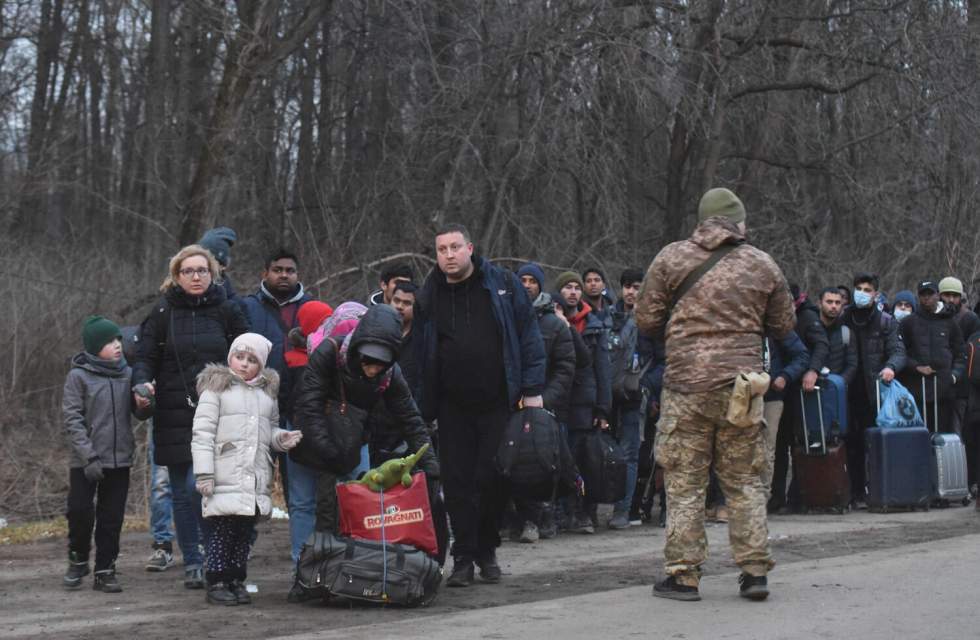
(939, 306)
(902, 313)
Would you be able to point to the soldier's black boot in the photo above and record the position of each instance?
(77, 569)
(753, 587)
(670, 588)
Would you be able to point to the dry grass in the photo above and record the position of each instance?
(27, 532)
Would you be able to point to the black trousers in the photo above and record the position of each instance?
(105, 515)
(229, 539)
(475, 497)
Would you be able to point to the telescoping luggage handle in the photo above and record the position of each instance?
(806, 427)
(935, 404)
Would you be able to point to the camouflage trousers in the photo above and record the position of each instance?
(691, 435)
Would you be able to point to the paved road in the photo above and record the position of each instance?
(859, 575)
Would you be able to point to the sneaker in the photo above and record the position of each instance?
(297, 593)
(489, 569)
(237, 587)
(462, 575)
(219, 593)
(619, 521)
(106, 582)
(582, 524)
(530, 533)
(77, 569)
(670, 588)
(753, 587)
(161, 560)
(194, 579)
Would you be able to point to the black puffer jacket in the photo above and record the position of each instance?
(879, 345)
(381, 325)
(592, 387)
(842, 358)
(811, 332)
(560, 351)
(178, 339)
(969, 324)
(933, 339)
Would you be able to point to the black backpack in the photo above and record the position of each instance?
(529, 457)
(973, 359)
(603, 465)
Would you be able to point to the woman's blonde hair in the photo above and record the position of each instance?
(190, 251)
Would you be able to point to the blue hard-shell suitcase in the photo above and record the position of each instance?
(830, 394)
(899, 468)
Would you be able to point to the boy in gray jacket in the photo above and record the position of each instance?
(97, 403)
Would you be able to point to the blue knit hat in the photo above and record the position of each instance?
(906, 296)
(219, 242)
(533, 270)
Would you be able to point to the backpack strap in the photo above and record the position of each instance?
(696, 274)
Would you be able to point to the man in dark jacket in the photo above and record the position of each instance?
(536, 519)
(788, 360)
(881, 354)
(272, 310)
(951, 293)
(810, 330)
(219, 242)
(390, 276)
(936, 356)
(590, 402)
(481, 354)
(630, 355)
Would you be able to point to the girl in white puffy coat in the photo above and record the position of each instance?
(235, 426)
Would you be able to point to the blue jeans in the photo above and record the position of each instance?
(629, 439)
(302, 499)
(187, 514)
(161, 502)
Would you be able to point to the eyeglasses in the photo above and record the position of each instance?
(201, 272)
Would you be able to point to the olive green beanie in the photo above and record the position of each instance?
(97, 332)
(721, 203)
(566, 277)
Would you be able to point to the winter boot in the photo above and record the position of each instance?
(77, 569)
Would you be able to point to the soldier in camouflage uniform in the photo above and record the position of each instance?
(715, 333)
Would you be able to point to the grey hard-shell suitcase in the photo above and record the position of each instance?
(949, 456)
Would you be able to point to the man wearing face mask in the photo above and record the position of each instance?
(905, 304)
(936, 349)
(881, 354)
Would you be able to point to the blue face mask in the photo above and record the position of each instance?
(862, 299)
(902, 313)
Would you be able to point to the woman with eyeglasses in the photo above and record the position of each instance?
(192, 324)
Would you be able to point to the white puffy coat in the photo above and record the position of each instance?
(235, 426)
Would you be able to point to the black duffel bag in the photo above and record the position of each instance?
(332, 566)
(603, 466)
(529, 456)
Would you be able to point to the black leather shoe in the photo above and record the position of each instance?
(237, 587)
(219, 593)
(753, 587)
(462, 575)
(670, 588)
(106, 582)
(489, 569)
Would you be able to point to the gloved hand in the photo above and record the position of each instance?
(204, 484)
(288, 439)
(93, 470)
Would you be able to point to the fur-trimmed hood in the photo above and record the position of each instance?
(219, 378)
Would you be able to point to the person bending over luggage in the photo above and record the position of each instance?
(360, 371)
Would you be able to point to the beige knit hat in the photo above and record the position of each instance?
(252, 343)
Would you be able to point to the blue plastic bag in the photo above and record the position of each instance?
(898, 409)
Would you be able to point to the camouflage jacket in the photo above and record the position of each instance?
(715, 331)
